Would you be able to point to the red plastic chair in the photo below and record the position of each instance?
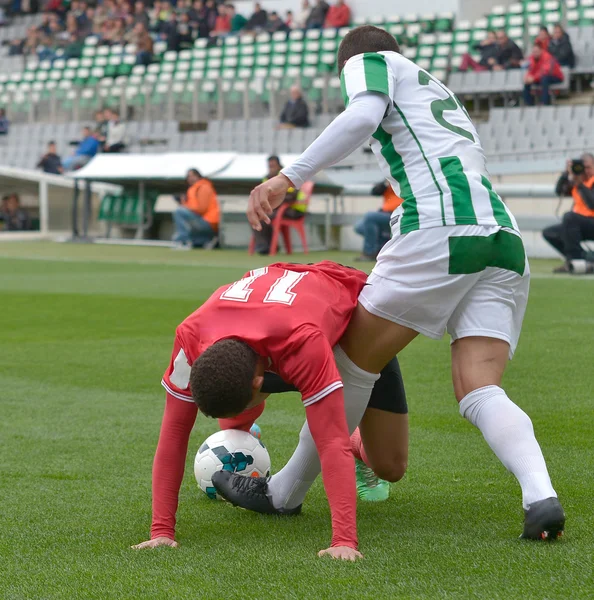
(283, 226)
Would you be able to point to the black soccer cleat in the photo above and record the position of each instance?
(544, 520)
(250, 493)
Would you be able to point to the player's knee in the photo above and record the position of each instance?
(392, 471)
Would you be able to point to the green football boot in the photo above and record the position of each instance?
(370, 488)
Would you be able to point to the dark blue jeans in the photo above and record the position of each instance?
(375, 229)
(191, 228)
(545, 95)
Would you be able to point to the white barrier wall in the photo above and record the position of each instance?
(362, 8)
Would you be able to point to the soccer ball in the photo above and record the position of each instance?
(230, 450)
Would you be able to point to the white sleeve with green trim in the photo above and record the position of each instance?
(367, 72)
(342, 137)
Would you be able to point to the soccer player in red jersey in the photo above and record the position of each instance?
(285, 318)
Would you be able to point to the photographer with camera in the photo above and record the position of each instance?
(578, 225)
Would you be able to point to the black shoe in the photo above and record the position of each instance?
(544, 520)
(250, 493)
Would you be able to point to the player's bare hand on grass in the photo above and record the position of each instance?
(341, 553)
(265, 198)
(159, 541)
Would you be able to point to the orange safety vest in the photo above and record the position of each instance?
(391, 200)
(579, 206)
(201, 198)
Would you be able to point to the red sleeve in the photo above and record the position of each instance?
(329, 430)
(169, 464)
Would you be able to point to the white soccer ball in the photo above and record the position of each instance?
(230, 450)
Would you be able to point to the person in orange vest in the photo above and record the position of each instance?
(197, 219)
(578, 224)
(375, 226)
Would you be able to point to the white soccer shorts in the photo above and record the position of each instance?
(468, 280)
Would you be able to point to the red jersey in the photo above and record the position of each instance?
(291, 314)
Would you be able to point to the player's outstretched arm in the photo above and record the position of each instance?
(168, 470)
(344, 135)
(328, 426)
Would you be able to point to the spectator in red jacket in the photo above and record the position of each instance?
(223, 23)
(339, 15)
(543, 38)
(544, 71)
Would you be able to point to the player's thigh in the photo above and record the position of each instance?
(410, 291)
(485, 328)
(385, 439)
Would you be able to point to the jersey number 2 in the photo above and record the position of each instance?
(280, 292)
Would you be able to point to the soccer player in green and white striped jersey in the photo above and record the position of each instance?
(456, 261)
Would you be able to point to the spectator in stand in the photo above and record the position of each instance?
(116, 132)
(317, 16)
(275, 23)
(509, 54)
(375, 226)
(202, 18)
(578, 224)
(4, 123)
(488, 49)
(99, 18)
(560, 47)
(238, 22)
(140, 14)
(168, 32)
(15, 217)
(74, 48)
(87, 28)
(50, 162)
(290, 19)
(296, 112)
(258, 20)
(101, 123)
(211, 15)
(185, 31)
(544, 71)
(296, 208)
(543, 38)
(338, 15)
(86, 149)
(197, 219)
(223, 23)
(303, 15)
(144, 45)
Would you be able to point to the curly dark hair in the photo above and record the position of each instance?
(221, 378)
(366, 38)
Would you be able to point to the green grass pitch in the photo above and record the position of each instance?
(85, 335)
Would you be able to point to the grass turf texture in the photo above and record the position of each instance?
(86, 334)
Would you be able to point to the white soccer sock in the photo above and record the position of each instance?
(508, 431)
(289, 486)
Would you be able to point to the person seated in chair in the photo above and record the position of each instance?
(197, 219)
(296, 209)
(375, 225)
(543, 70)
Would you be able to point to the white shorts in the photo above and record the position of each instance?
(468, 280)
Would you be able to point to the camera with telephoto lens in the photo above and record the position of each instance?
(577, 166)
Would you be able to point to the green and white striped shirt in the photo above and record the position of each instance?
(426, 145)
